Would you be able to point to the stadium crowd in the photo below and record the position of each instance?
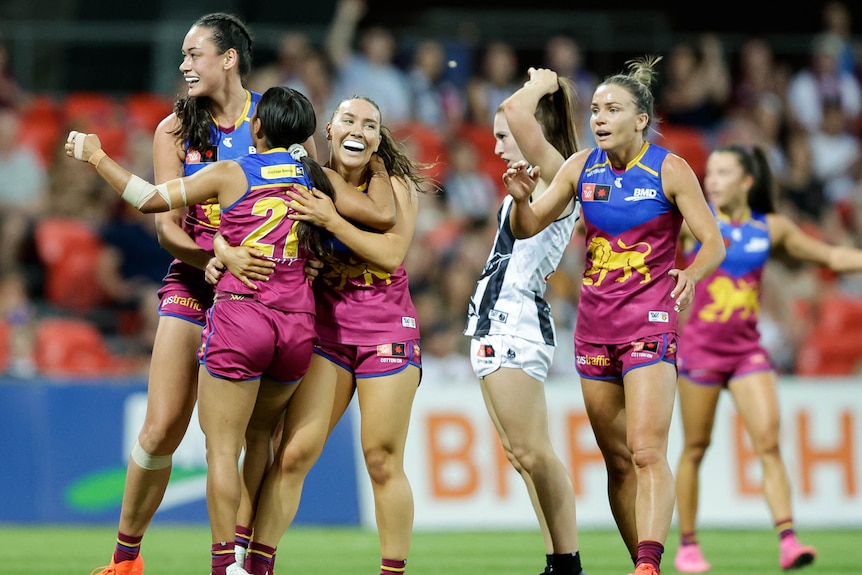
(79, 277)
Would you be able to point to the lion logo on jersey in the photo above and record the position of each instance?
(728, 297)
(357, 272)
(605, 259)
(212, 211)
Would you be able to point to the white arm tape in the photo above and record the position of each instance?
(79, 146)
(139, 191)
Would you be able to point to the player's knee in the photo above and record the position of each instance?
(379, 463)
(696, 451)
(148, 461)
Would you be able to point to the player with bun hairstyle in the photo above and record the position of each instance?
(634, 197)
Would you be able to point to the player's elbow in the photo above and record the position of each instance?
(383, 219)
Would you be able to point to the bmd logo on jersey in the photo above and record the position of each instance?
(642, 194)
(595, 192)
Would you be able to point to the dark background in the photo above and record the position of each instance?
(115, 46)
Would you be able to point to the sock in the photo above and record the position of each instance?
(260, 559)
(242, 537)
(549, 563)
(785, 528)
(650, 552)
(128, 547)
(222, 556)
(566, 563)
(392, 566)
(689, 538)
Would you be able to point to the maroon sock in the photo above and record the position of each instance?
(242, 537)
(222, 556)
(128, 547)
(650, 552)
(784, 528)
(260, 559)
(689, 538)
(392, 566)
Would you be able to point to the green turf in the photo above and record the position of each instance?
(174, 550)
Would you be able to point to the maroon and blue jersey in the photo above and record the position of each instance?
(631, 232)
(259, 220)
(726, 306)
(360, 304)
(183, 282)
(230, 142)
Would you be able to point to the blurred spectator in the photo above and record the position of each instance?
(761, 123)
(293, 47)
(370, 72)
(471, 195)
(17, 313)
(758, 74)
(316, 75)
(23, 188)
(801, 194)
(435, 100)
(823, 81)
(836, 152)
(837, 20)
(75, 190)
(697, 86)
(445, 360)
(781, 328)
(12, 95)
(564, 56)
(467, 255)
(130, 271)
(496, 79)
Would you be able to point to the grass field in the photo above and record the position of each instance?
(174, 550)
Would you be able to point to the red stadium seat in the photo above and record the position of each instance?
(428, 146)
(41, 107)
(835, 355)
(90, 110)
(482, 138)
(4, 345)
(688, 143)
(145, 110)
(42, 135)
(69, 249)
(75, 348)
(834, 346)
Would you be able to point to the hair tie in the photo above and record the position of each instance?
(298, 151)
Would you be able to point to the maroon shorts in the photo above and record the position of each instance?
(372, 360)
(244, 340)
(614, 360)
(185, 294)
(699, 366)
